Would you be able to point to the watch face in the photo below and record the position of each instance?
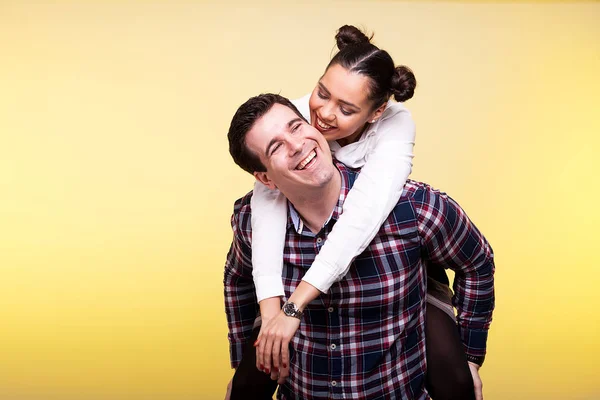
(289, 309)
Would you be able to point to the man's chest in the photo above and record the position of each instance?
(383, 274)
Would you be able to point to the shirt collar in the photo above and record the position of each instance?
(294, 219)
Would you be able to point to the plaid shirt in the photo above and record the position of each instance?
(365, 339)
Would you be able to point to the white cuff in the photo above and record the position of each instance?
(268, 286)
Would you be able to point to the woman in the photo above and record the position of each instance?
(350, 107)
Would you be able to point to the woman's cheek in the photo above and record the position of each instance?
(346, 125)
(353, 123)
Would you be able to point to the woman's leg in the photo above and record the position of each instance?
(248, 381)
(448, 374)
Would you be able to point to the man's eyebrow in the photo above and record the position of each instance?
(293, 121)
(340, 100)
(276, 139)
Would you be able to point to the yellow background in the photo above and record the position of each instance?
(117, 187)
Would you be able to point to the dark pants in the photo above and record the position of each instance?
(448, 374)
(248, 381)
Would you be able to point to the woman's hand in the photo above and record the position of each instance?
(272, 346)
(269, 308)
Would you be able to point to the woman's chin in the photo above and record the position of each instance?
(330, 138)
(329, 135)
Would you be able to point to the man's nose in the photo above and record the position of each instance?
(296, 144)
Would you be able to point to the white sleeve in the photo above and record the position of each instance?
(370, 201)
(269, 220)
(302, 106)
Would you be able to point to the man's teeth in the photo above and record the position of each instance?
(323, 125)
(308, 159)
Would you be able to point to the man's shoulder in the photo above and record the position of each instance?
(242, 205)
(413, 190)
(242, 216)
(426, 200)
(419, 192)
(350, 173)
(415, 201)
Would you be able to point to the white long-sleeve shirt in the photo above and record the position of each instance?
(384, 152)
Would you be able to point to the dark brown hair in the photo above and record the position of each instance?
(244, 119)
(358, 54)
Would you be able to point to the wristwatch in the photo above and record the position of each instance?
(291, 310)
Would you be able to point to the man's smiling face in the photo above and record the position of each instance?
(296, 155)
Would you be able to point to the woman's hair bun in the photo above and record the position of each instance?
(349, 35)
(403, 83)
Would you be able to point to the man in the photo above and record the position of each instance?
(365, 338)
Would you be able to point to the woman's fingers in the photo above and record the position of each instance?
(284, 371)
(276, 355)
(272, 346)
(268, 350)
(260, 349)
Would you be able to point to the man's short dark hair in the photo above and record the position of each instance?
(245, 117)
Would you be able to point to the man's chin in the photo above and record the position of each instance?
(323, 177)
(306, 184)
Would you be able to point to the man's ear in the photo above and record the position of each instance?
(377, 113)
(263, 178)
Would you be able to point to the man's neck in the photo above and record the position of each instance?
(315, 207)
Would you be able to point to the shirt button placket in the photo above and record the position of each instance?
(318, 244)
(335, 354)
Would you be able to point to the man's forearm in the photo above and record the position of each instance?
(241, 313)
(474, 300)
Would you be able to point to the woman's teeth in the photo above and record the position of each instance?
(323, 125)
(308, 159)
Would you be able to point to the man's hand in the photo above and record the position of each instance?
(272, 346)
(476, 381)
(228, 393)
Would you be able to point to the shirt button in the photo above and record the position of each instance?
(319, 240)
(333, 383)
(330, 309)
(333, 346)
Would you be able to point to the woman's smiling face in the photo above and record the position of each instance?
(340, 106)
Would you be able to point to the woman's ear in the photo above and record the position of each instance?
(377, 113)
(263, 178)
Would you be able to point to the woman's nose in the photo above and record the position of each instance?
(327, 112)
